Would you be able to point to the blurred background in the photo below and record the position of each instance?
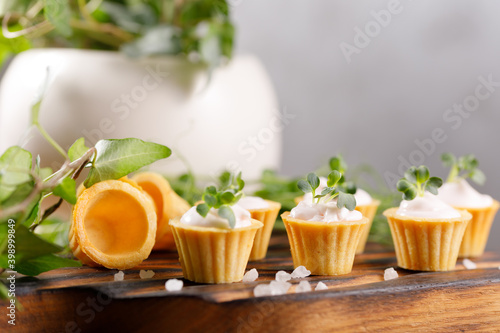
(385, 83)
(374, 105)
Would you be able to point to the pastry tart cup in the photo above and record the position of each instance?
(427, 244)
(369, 212)
(213, 255)
(113, 225)
(168, 205)
(268, 217)
(324, 248)
(478, 230)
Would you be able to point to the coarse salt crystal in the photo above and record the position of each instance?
(300, 272)
(174, 285)
(321, 286)
(251, 275)
(390, 274)
(262, 290)
(283, 276)
(304, 286)
(279, 287)
(271, 289)
(119, 276)
(146, 274)
(469, 264)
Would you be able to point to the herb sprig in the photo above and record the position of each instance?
(416, 181)
(24, 186)
(334, 189)
(138, 28)
(229, 193)
(463, 167)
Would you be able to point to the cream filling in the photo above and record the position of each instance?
(428, 206)
(324, 212)
(249, 202)
(461, 194)
(191, 217)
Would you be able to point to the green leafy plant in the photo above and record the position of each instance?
(278, 188)
(463, 167)
(24, 186)
(334, 189)
(416, 181)
(139, 28)
(228, 194)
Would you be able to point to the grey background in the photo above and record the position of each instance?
(395, 91)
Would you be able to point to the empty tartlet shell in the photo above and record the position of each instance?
(168, 205)
(113, 225)
(268, 217)
(324, 248)
(477, 232)
(427, 244)
(213, 255)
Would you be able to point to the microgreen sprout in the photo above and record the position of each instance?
(335, 189)
(416, 181)
(338, 163)
(228, 194)
(462, 168)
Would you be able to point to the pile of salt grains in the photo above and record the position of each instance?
(280, 285)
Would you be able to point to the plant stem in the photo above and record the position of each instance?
(453, 174)
(49, 185)
(52, 142)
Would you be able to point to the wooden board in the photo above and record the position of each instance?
(87, 299)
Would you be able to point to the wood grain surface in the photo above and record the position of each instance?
(89, 300)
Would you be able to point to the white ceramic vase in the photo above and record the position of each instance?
(228, 121)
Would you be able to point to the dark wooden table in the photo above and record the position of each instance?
(88, 299)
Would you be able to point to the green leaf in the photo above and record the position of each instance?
(433, 184)
(313, 180)
(468, 162)
(410, 194)
(28, 246)
(304, 186)
(119, 157)
(44, 263)
(203, 209)
(77, 149)
(211, 190)
(408, 189)
(33, 216)
(327, 190)
(12, 46)
(66, 190)
(350, 188)
(55, 231)
(241, 183)
(333, 178)
(338, 163)
(58, 12)
(210, 200)
(422, 174)
(43, 173)
(478, 177)
(346, 200)
(225, 179)
(163, 39)
(227, 213)
(227, 197)
(15, 168)
(448, 159)
(411, 174)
